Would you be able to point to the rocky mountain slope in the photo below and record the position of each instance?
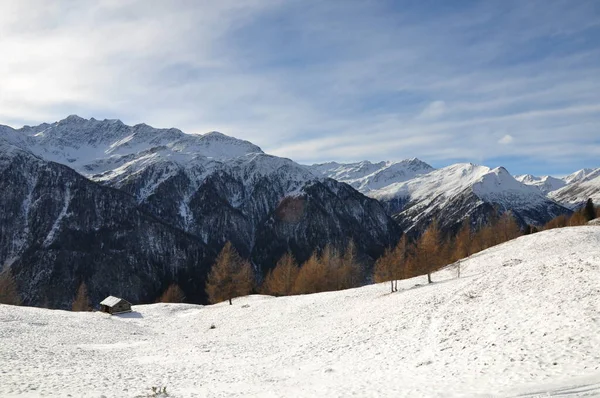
(210, 188)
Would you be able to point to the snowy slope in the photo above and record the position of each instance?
(366, 176)
(522, 320)
(545, 184)
(583, 185)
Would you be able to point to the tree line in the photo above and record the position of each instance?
(582, 216)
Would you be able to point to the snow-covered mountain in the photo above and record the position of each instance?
(571, 191)
(452, 193)
(213, 187)
(415, 193)
(521, 321)
(583, 185)
(578, 175)
(366, 176)
(546, 184)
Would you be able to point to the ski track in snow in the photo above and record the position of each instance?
(522, 321)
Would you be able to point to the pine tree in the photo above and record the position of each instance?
(230, 276)
(173, 294)
(589, 210)
(280, 280)
(82, 299)
(8, 288)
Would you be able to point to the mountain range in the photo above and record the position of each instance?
(130, 209)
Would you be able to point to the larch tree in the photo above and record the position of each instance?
(462, 241)
(280, 280)
(230, 276)
(8, 288)
(557, 222)
(383, 270)
(577, 218)
(350, 272)
(82, 299)
(399, 261)
(173, 294)
(311, 277)
(428, 251)
(507, 228)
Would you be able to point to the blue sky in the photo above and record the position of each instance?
(511, 83)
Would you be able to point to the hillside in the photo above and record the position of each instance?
(522, 320)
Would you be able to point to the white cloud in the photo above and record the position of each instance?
(434, 110)
(507, 139)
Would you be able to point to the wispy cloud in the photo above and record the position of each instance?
(316, 81)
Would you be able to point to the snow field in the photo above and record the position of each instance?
(523, 320)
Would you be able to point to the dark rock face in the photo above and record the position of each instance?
(325, 212)
(59, 229)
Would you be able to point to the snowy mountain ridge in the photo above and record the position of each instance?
(366, 176)
(110, 152)
(584, 185)
(452, 193)
(545, 184)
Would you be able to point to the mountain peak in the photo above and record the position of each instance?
(74, 119)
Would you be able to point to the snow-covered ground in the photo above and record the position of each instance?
(522, 320)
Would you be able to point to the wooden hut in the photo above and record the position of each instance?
(115, 305)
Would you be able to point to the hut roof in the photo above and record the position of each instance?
(111, 301)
